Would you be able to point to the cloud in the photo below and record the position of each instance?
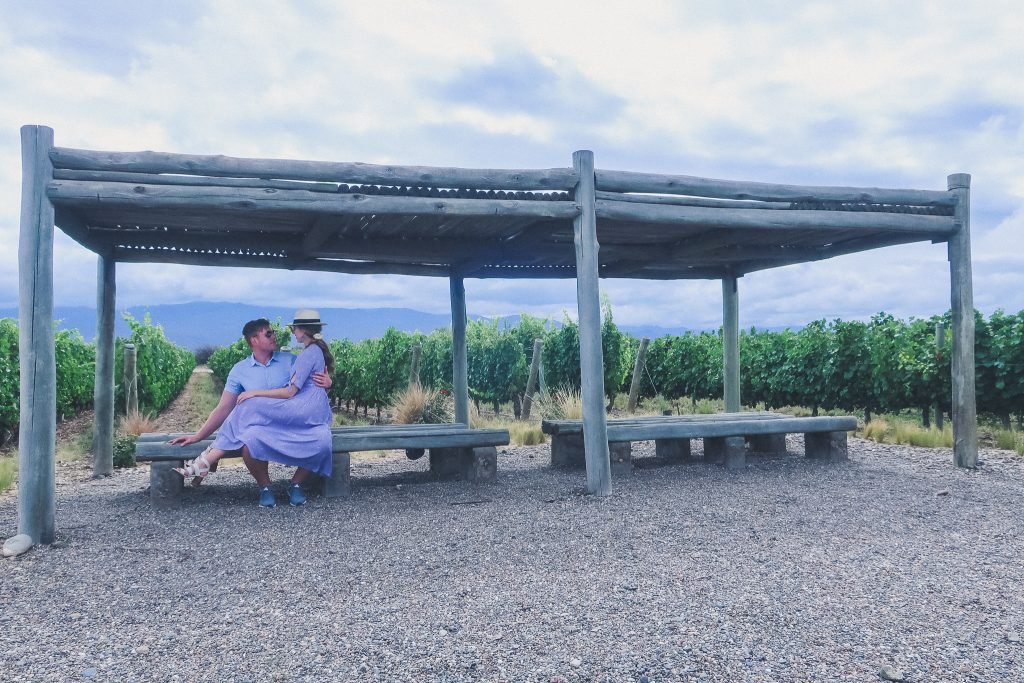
(846, 94)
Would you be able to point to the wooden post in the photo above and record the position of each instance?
(460, 362)
(638, 369)
(103, 391)
(37, 432)
(131, 380)
(940, 346)
(414, 366)
(731, 343)
(531, 382)
(965, 419)
(595, 426)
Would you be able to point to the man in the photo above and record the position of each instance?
(265, 368)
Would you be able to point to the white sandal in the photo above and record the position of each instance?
(198, 469)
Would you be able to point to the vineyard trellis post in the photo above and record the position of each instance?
(103, 390)
(460, 361)
(588, 301)
(531, 381)
(638, 370)
(414, 365)
(731, 343)
(940, 345)
(964, 414)
(131, 379)
(37, 435)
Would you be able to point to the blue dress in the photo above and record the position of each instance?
(292, 431)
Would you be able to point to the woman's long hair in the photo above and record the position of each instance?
(328, 357)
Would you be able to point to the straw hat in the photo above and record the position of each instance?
(306, 316)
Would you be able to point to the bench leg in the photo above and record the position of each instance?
(830, 446)
(448, 463)
(483, 465)
(339, 484)
(729, 451)
(767, 443)
(672, 450)
(567, 451)
(165, 485)
(621, 454)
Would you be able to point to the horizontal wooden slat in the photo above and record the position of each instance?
(692, 201)
(629, 181)
(287, 169)
(88, 194)
(756, 219)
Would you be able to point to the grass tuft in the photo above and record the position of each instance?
(913, 435)
(8, 472)
(876, 430)
(136, 424)
(1006, 439)
(526, 434)
(421, 405)
(564, 403)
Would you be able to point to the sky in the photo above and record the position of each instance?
(839, 93)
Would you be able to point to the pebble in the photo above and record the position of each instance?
(575, 662)
(1013, 637)
(889, 673)
(89, 673)
(943, 492)
(17, 545)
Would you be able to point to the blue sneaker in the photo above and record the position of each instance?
(267, 499)
(295, 495)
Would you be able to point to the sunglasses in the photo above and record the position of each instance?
(270, 333)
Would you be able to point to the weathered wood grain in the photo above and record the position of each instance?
(287, 169)
(103, 389)
(964, 414)
(629, 181)
(37, 431)
(731, 343)
(756, 219)
(460, 359)
(595, 433)
(691, 201)
(88, 194)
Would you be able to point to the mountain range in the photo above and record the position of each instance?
(202, 323)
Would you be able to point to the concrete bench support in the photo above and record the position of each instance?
(729, 451)
(339, 484)
(478, 465)
(767, 443)
(673, 450)
(830, 446)
(621, 454)
(165, 485)
(567, 451)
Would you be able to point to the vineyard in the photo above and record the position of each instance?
(162, 368)
(884, 365)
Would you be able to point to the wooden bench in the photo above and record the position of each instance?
(455, 451)
(726, 437)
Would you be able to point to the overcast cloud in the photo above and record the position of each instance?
(832, 93)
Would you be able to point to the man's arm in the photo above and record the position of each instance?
(216, 419)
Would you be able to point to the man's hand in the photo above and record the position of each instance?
(184, 440)
(323, 379)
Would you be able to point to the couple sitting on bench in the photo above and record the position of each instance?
(274, 409)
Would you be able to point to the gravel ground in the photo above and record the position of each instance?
(789, 570)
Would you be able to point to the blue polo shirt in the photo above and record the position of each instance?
(249, 374)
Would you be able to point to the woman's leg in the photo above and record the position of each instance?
(259, 469)
(300, 476)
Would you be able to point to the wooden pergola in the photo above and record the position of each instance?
(578, 222)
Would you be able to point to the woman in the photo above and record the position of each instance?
(290, 425)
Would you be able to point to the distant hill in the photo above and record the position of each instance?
(203, 323)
